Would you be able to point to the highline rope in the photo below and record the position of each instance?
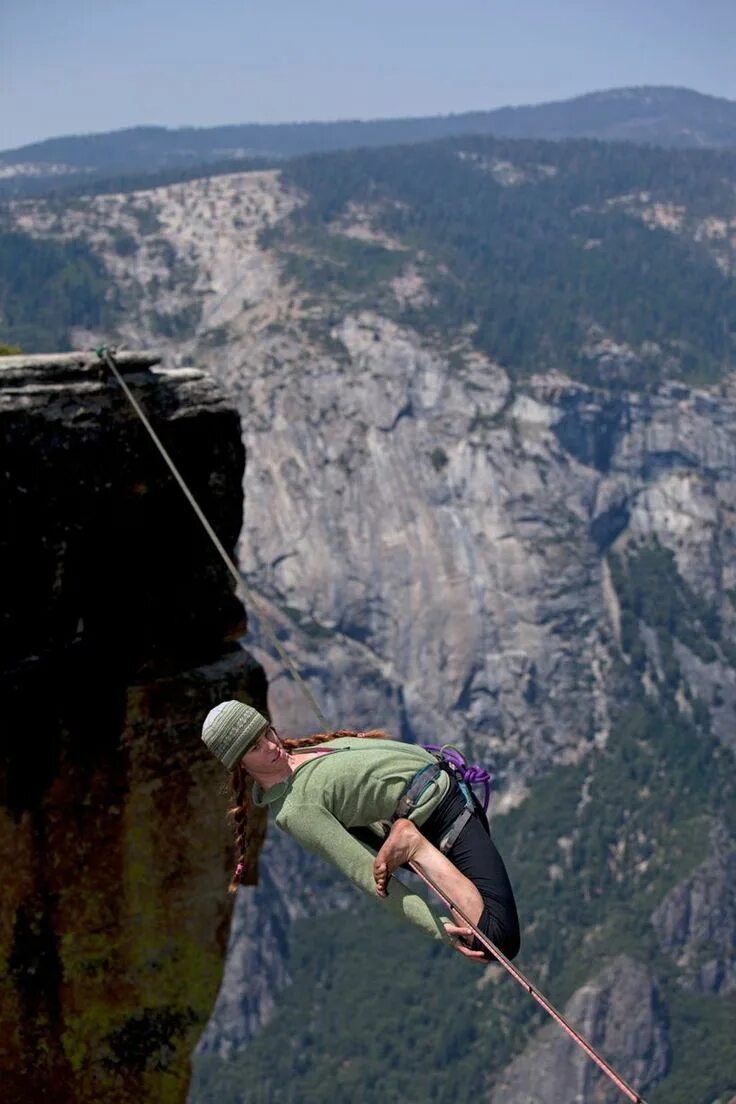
(108, 357)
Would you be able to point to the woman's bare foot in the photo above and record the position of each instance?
(397, 849)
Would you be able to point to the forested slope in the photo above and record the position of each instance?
(554, 254)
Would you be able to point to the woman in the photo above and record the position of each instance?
(336, 792)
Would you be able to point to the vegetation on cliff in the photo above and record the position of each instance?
(652, 590)
(572, 256)
(46, 289)
(609, 262)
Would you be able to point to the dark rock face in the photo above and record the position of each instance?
(120, 630)
(619, 1012)
(589, 430)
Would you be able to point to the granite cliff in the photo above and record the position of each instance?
(120, 629)
(442, 551)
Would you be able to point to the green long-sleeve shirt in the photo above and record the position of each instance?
(358, 784)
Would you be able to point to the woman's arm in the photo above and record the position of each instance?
(320, 832)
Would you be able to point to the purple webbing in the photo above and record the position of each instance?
(473, 775)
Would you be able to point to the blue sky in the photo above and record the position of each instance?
(78, 66)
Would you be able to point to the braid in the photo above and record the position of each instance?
(323, 737)
(239, 815)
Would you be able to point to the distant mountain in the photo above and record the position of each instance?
(655, 115)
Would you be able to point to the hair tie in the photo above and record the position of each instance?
(239, 870)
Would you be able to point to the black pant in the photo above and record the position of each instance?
(475, 856)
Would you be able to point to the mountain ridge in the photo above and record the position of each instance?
(660, 115)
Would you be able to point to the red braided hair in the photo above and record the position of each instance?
(323, 737)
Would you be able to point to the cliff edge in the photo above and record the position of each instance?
(119, 630)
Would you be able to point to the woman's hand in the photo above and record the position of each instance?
(461, 940)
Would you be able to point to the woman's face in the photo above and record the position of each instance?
(266, 754)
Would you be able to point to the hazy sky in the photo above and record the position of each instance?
(77, 66)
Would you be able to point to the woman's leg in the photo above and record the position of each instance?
(476, 856)
(473, 861)
(405, 843)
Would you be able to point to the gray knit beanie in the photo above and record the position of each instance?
(230, 729)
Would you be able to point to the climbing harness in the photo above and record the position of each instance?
(415, 790)
(457, 766)
(448, 760)
(448, 757)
